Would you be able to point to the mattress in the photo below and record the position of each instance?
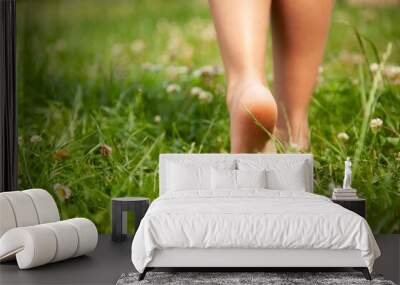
(250, 219)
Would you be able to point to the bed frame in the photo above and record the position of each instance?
(247, 259)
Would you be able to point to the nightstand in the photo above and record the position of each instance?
(120, 206)
(355, 205)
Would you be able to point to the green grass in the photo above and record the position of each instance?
(82, 84)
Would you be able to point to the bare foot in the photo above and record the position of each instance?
(253, 111)
(297, 139)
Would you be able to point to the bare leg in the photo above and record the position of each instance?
(242, 33)
(299, 32)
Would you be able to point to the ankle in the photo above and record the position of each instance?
(296, 134)
(235, 78)
(242, 82)
(237, 88)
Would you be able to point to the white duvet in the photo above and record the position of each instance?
(250, 219)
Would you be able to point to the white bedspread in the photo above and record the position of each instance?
(250, 219)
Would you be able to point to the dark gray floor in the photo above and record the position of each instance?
(103, 266)
(110, 260)
(389, 262)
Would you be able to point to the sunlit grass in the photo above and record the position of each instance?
(105, 88)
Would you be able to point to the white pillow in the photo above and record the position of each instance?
(188, 177)
(226, 179)
(293, 180)
(251, 178)
(223, 179)
(282, 174)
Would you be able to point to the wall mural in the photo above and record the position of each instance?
(104, 88)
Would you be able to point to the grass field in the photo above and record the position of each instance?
(104, 87)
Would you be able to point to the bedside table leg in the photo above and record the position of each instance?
(117, 222)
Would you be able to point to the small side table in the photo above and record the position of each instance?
(137, 205)
(355, 205)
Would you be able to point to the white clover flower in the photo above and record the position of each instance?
(205, 96)
(195, 91)
(376, 124)
(117, 49)
(175, 41)
(157, 119)
(137, 46)
(374, 67)
(152, 67)
(173, 88)
(63, 192)
(182, 69)
(343, 136)
(392, 71)
(197, 72)
(35, 139)
(208, 71)
(174, 71)
(218, 69)
(320, 69)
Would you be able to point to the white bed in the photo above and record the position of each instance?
(221, 225)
